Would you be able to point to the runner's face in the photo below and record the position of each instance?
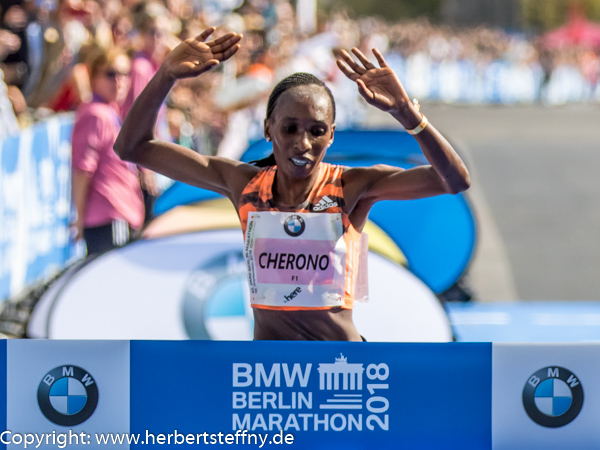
(301, 128)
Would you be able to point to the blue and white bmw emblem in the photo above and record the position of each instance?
(67, 395)
(553, 397)
(294, 225)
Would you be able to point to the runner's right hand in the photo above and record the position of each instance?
(194, 56)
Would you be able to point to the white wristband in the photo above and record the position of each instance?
(419, 127)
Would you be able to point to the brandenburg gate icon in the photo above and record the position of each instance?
(350, 374)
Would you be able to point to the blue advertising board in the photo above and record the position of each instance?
(326, 395)
(306, 395)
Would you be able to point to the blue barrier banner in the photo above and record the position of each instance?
(306, 395)
(35, 184)
(316, 395)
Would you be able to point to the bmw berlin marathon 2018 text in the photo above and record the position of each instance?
(64, 440)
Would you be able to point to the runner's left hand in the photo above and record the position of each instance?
(380, 86)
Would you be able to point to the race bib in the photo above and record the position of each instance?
(295, 260)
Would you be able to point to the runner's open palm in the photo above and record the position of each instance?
(380, 86)
(194, 56)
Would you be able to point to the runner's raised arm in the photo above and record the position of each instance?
(136, 142)
(381, 87)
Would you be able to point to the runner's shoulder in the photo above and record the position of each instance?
(366, 175)
(238, 168)
(236, 174)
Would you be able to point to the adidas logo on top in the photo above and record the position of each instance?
(324, 203)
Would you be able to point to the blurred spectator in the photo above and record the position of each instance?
(151, 23)
(8, 121)
(121, 29)
(106, 190)
(76, 88)
(151, 20)
(13, 18)
(63, 36)
(245, 100)
(180, 129)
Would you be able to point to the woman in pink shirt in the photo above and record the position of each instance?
(106, 190)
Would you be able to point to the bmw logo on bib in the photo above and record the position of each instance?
(294, 225)
(553, 397)
(68, 395)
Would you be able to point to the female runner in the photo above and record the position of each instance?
(301, 218)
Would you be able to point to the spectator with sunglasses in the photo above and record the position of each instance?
(105, 190)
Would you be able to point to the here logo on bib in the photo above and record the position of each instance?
(295, 260)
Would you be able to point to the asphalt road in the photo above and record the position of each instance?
(536, 192)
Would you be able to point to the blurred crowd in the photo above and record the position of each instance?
(46, 47)
(484, 65)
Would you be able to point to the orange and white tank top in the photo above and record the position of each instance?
(305, 259)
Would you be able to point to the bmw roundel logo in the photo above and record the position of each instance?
(294, 225)
(553, 397)
(68, 395)
(216, 297)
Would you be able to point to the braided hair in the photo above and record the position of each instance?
(292, 81)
